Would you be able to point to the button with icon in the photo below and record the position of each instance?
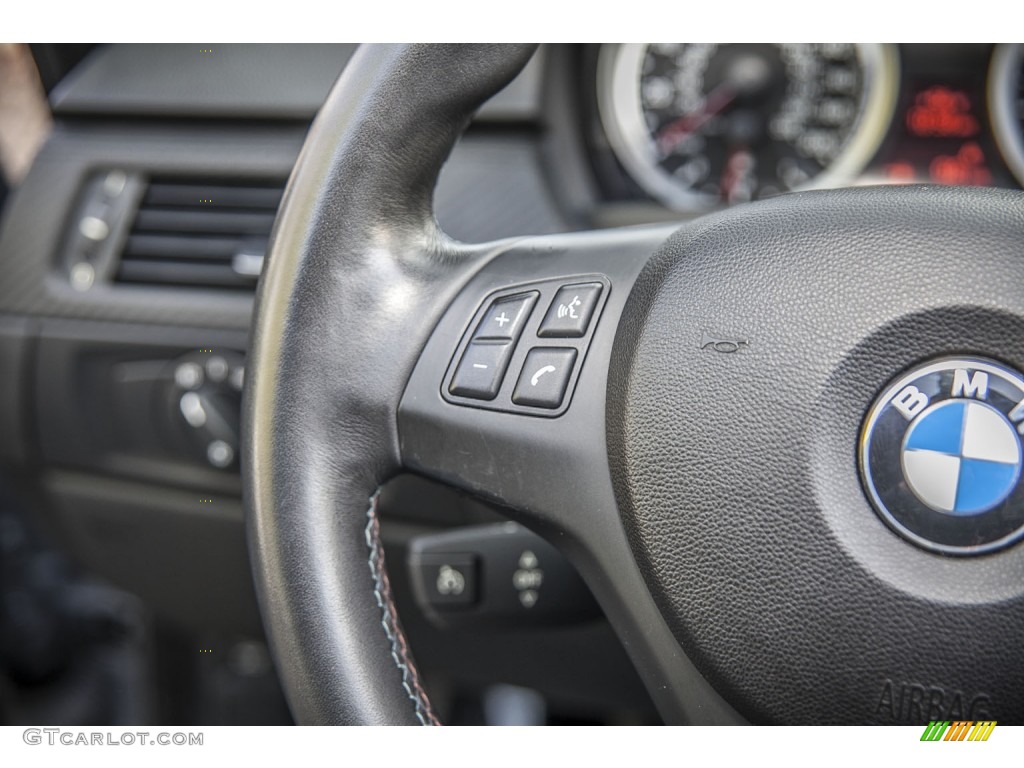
(570, 311)
(481, 370)
(545, 377)
(449, 580)
(505, 318)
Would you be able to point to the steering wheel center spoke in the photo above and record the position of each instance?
(508, 401)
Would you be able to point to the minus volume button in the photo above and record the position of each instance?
(481, 370)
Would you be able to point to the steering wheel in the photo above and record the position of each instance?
(681, 410)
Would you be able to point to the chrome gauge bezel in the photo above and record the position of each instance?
(621, 112)
(1003, 81)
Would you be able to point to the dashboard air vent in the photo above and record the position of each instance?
(191, 232)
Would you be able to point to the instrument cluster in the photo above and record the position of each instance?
(699, 126)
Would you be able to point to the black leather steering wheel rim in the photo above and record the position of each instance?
(356, 241)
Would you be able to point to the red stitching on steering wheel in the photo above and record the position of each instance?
(389, 620)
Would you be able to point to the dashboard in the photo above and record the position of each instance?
(131, 252)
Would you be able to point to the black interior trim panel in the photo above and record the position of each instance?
(237, 81)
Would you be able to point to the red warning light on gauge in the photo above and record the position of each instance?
(942, 112)
(966, 167)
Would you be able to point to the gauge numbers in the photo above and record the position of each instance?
(702, 125)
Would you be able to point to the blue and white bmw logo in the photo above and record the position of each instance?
(941, 455)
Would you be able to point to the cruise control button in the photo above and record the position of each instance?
(544, 378)
(481, 369)
(570, 311)
(506, 317)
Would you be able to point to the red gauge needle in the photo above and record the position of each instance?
(736, 169)
(674, 133)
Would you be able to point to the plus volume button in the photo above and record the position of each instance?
(505, 318)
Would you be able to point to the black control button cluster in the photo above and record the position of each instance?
(498, 575)
(485, 360)
(204, 394)
(542, 377)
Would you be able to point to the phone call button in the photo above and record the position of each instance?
(544, 378)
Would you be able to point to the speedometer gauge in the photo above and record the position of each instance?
(700, 125)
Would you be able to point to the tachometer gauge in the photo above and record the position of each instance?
(1006, 104)
(700, 125)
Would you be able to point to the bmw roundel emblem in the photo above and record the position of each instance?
(941, 455)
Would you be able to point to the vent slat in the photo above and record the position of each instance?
(199, 222)
(185, 247)
(183, 273)
(172, 194)
(188, 232)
